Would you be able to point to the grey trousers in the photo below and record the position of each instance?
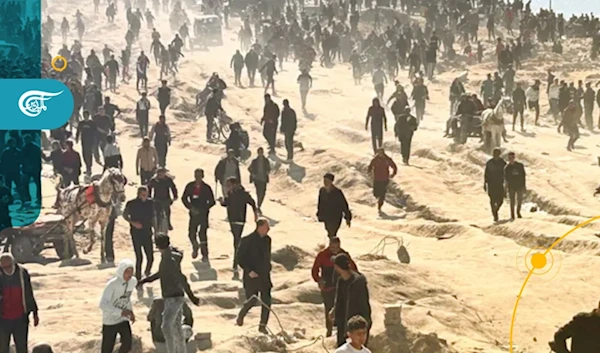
(172, 318)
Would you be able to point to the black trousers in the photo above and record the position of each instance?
(236, 229)
(142, 120)
(265, 297)
(332, 227)
(251, 74)
(109, 337)
(109, 251)
(270, 134)
(516, 199)
(405, 144)
(328, 302)
(161, 151)
(289, 145)
(261, 191)
(18, 331)
(163, 107)
(209, 126)
(376, 137)
(87, 151)
(145, 176)
(161, 206)
(496, 195)
(238, 75)
(142, 241)
(197, 230)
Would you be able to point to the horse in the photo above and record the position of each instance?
(492, 122)
(91, 203)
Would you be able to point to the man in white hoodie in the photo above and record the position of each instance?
(117, 311)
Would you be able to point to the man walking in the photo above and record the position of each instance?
(236, 200)
(270, 120)
(379, 168)
(376, 114)
(254, 257)
(161, 133)
(259, 169)
(164, 97)
(198, 198)
(173, 284)
(18, 302)
(142, 114)
(228, 167)
(160, 189)
(404, 129)
(351, 297)
(519, 102)
(514, 174)
(493, 181)
(139, 212)
(332, 206)
(324, 274)
(305, 82)
(146, 161)
(288, 128)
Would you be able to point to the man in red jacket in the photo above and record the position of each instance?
(324, 274)
(380, 170)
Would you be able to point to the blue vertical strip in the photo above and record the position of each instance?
(20, 159)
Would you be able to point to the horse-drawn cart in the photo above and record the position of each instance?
(27, 243)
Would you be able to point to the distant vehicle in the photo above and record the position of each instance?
(207, 31)
(7, 48)
(311, 10)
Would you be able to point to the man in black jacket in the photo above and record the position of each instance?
(582, 330)
(17, 303)
(139, 212)
(519, 102)
(288, 128)
(332, 206)
(173, 284)
(198, 198)
(493, 182)
(270, 120)
(259, 169)
(351, 297)
(236, 201)
(160, 188)
(228, 167)
(514, 175)
(254, 257)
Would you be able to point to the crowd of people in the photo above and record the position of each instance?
(334, 34)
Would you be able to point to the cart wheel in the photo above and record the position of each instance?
(22, 249)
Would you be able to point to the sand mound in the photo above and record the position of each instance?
(75, 346)
(429, 343)
(289, 257)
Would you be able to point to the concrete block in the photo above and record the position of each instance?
(204, 272)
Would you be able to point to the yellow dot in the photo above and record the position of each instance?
(538, 260)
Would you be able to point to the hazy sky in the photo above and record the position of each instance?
(569, 7)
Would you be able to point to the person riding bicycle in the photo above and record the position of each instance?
(215, 83)
(211, 111)
(237, 140)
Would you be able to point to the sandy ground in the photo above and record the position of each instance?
(463, 288)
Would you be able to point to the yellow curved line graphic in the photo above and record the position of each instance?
(514, 313)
